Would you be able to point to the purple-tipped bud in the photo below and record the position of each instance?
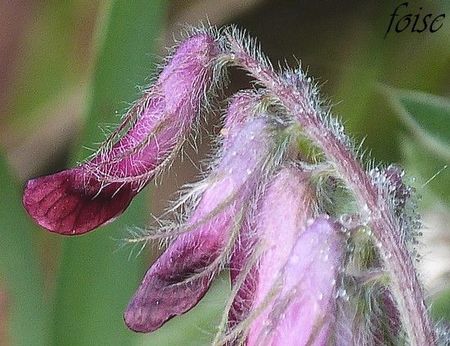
(182, 274)
(80, 199)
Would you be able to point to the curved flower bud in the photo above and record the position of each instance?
(182, 274)
(303, 312)
(285, 208)
(80, 199)
(289, 296)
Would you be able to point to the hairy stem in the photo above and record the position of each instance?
(404, 282)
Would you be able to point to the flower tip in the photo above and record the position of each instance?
(156, 302)
(71, 203)
(200, 42)
(138, 320)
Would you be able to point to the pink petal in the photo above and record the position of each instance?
(303, 312)
(285, 208)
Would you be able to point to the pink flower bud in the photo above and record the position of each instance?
(285, 208)
(182, 274)
(289, 297)
(80, 199)
(304, 308)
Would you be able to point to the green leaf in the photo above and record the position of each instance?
(426, 116)
(440, 309)
(95, 281)
(431, 173)
(20, 271)
(47, 53)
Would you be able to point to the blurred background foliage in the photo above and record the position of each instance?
(68, 67)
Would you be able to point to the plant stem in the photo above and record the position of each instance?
(405, 285)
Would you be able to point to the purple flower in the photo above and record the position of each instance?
(296, 280)
(182, 274)
(288, 296)
(80, 199)
(297, 95)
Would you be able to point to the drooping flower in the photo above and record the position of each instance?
(182, 274)
(302, 102)
(284, 270)
(80, 199)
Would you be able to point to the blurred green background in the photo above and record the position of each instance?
(68, 67)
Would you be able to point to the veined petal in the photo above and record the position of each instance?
(78, 200)
(71, 202)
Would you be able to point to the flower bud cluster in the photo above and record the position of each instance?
(313, 243)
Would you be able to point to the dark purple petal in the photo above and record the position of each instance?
(70, 202)
(78, 200)
(168, 289)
